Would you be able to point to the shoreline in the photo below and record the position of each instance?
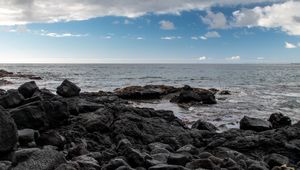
(102, 130)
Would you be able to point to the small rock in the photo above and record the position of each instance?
(255, 124)
(204, 155)
(86, 162)
(276, 160)
(80, 149)
(178, 159)
(157, 145)
(68, 89)
(225, 92)
(28, 89)
(201, 163)
(52, 138)
(202, 125)
(115, 163)
(167, 167)
(188, 149)
(278, 120)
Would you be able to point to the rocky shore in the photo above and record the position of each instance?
(71, 130)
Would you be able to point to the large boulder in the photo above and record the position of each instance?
(190, 95)
(68, 89)
(28, 89)
(46, 159)
(12, 99)
(8, 132)
(202, 125)
(278, 120)
(255, 124)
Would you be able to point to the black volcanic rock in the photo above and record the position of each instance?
(202, 125)
(189, 95)
(249, 123)
(28, 89)
(68, 89)
(278, 120)
(8, 132)
(51, 138)
(11, 99)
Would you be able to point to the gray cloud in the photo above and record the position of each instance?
(14, 12)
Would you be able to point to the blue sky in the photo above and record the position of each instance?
(173, 32)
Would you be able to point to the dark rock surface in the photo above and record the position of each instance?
(68, 89)
(28, 89)
(249, 123)
(103, 131)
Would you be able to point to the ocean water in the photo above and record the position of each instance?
(257, 89)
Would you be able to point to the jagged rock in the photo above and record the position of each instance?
(52, 138)
(28, 89)
(276, 160)
(35, 158)
(27, 136)
(202, 125)
(255, 124)
(68, 89)
(278, 120)
(8, 132)
(12, 99)
(86, 162)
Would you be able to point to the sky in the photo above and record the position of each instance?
(150, 31)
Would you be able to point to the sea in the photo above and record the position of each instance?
(258, 90)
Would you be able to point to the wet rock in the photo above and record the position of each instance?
(189, 95)
(4, 73)
(225, 92)
(12, 99)
(167, 167)
(255, 124)
(52, 138)
(28, 89)
(2, 92)
(276, 160)
(178, 159)
(8, 132)
(68, 89)
(278, 120)
(202, 125)
(27, 136)
(37, 159)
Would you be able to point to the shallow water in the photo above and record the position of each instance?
(258, 90)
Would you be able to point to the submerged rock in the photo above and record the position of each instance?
(278, 120)
(202, 125)
(249, 123)
(68, 89)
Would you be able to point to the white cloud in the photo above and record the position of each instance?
(202, 58)
(212, 34)
(18, 12)
(194, 38)
(290, 45)
(298, 44)
(285, 16)
(260, 58)
(58, 35)
(215, 20)
(203, 38)
(166, 25)
(171, 38)
(140, 38)
(234, 58)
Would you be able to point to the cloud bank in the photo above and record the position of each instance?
(17, 12)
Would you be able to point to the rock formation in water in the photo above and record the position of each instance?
(102, 131)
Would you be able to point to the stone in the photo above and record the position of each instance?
(178, 159)
(188, 149)
(69, 166)
(68, 89)
(201, 163)
(255, 124)
(158, 145)
(35, 158)
(12, 99)
(278, 120)
(52, 138)
(115, 163)
(86, 162)
(28, 89)
(167, 167)
(202, 125)
(225, 92)
(27, 136)
(8, 132)
(276, 160)
(188, 95)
